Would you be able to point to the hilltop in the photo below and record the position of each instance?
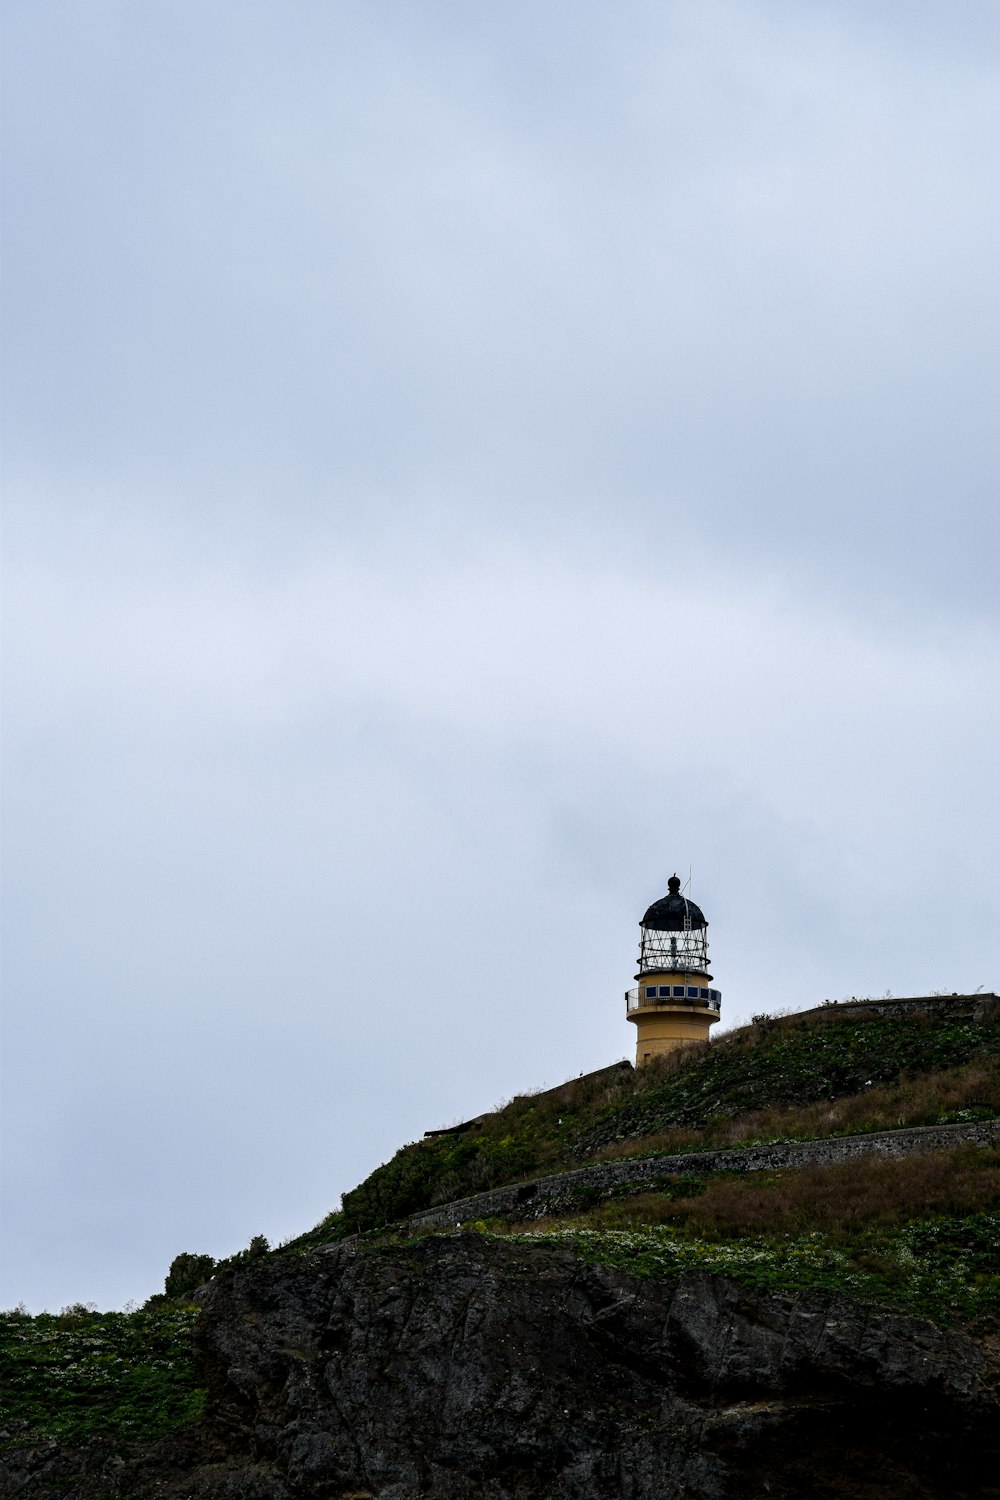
(842, 1069)
(681, 1205)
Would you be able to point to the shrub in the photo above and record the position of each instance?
(187, 1272)
(76, 1315)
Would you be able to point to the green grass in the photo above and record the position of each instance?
(793, 1064)
(787, 1079)
(82, 1374)
(943, 1268)
(918, 1233)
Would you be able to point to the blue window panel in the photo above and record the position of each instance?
(651, 992)
(679, 991)
(703, 994)
(664, 992)
(692, 993)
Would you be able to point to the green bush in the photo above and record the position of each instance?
(187, 1273)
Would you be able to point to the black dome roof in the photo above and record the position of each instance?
(673, 912)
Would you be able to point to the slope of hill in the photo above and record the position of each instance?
(841, 1070)
(831, 1329)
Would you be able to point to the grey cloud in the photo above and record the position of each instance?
(460, 462)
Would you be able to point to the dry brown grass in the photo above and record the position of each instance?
(890, 1106)
(837, 1199)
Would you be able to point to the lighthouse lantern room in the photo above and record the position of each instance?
(673, 1002)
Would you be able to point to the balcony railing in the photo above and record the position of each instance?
(643, 995)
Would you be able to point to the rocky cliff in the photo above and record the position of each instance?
(462, 1367)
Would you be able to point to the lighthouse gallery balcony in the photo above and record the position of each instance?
(643, 995)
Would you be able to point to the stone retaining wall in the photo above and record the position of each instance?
(964, 1007)
(571, 1190)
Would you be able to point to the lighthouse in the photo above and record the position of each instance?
(672, 1003)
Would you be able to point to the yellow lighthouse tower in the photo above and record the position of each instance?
(672, 1003)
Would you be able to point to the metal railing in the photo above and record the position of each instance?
(651, 995)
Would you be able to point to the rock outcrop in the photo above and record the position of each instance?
(467, 1368)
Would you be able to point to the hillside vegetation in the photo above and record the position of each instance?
(81, 1373)
(918, 1234)
(790, 1079)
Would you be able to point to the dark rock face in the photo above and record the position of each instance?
(464, 1368)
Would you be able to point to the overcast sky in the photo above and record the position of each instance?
(462, 463)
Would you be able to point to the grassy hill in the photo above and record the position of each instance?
(841, 1072)
(919, 1233)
